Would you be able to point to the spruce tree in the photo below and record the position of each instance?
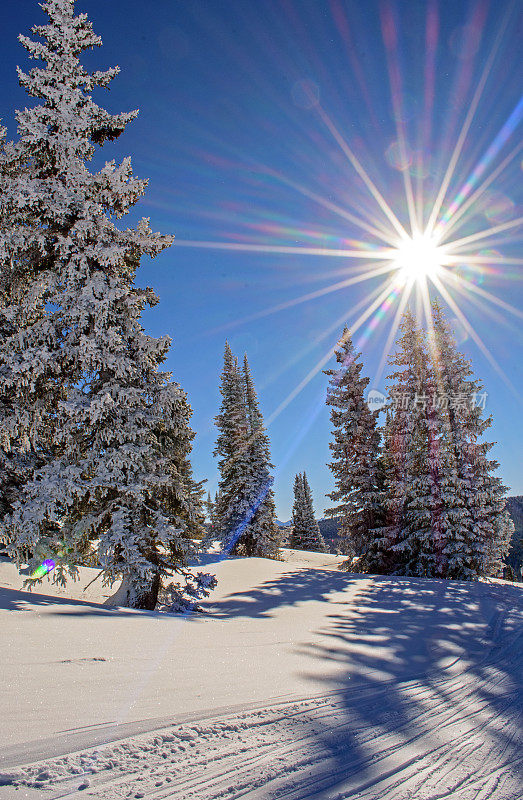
(355, 452)
(305, 531)
(409, 484)
(88, 396)
(233, 511)
(263, 531)
(209, 509)
(446, 508)
(244, 510)
(478, 528)
(182, 495)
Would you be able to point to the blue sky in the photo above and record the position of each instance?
(244, 110)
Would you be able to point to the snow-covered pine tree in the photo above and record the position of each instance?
(263, 531)
(209, 508)
(233, 502)
(409, 535)
(305, 531)
(176, 437)
(104, 469)
(355, 451)
(245, 519)
(23, 292)
(298, 512)
(195, 492)
(478, 528)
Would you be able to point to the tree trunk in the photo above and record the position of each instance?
(129, 595)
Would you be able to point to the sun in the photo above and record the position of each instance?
(418, 257)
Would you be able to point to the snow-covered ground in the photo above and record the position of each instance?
(300, 681)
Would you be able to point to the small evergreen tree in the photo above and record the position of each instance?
(355, 452)
(210, 509)
(305, 531)
(88, 396)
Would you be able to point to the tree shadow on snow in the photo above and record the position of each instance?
(20, 600)
(415, 657)
(288, 589)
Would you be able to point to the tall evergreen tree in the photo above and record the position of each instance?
(182, 495)
(95, 431)
(478, 528)
(305, 531)
(355, 452)
(411, 459)
(446, 515)
(262, 527)
(245, 518)
(233, 501)
(209, 509)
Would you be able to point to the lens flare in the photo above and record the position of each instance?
(45, 568)
(435, 203)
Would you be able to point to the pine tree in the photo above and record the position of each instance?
(245, 518)
(355, 452)
(97, 429)
(209, 509)
(446, 508)
(409, 486)
(233, 502)
(263, 531)
(478, 529)
(305, 531)
(183, 495)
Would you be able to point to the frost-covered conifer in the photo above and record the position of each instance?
(262, 527)
(355, 451)
(88, 396)
(233, 501)
(409, 535)
(305, 530)
(209, 508)
(477, 529)
(183, 495)
(245, 505)
(446, 508)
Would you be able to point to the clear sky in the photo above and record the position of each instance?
(271, 125)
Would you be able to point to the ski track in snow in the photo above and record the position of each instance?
(452, 731)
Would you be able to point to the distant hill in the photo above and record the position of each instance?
(329, 531)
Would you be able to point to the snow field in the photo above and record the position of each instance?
(303, 682)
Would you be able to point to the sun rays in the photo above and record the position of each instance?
(431, 242)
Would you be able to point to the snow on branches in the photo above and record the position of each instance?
(84, 406)
(244, 511)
